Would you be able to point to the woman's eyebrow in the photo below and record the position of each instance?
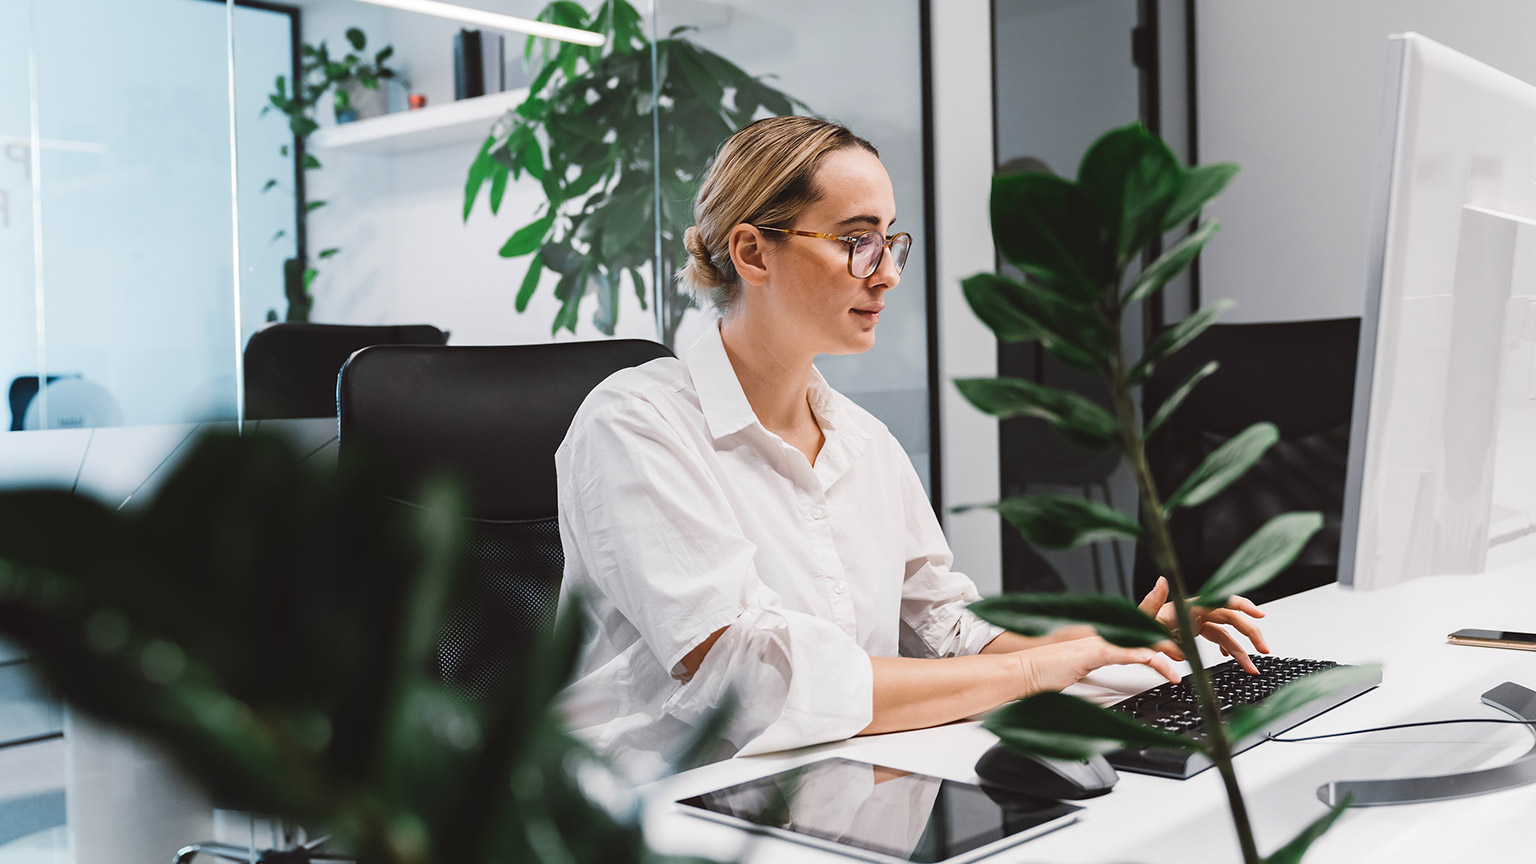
(862, 220)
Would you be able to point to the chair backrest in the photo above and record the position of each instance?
(492, 417)
(1298, 375)
(291, 367)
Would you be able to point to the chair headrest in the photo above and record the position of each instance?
(491, 415)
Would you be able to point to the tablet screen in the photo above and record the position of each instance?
(873, 809)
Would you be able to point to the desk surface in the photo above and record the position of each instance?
(1150, 819)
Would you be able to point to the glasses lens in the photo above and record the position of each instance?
(901, 244)
(866, 253)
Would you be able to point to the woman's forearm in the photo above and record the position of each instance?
(912, 693)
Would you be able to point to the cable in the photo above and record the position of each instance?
(1271, 736)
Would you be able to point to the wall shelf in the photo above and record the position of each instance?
(464, 121)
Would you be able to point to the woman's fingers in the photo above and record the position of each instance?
(1153, 602)
(1243, 624)
(1243, 604)
(1221, 636)
(1169, 647)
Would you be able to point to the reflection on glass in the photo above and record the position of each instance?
(805, 49)
(872, 808)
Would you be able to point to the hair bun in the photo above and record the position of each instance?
(703, 269)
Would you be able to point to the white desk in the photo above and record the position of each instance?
(1150, 819)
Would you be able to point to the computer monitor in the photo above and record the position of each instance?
(1442, 456)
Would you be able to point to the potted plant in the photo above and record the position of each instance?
(587, 133)
(1075, 242)
(269, 626)
(321, 75)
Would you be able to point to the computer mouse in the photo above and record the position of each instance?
(1046, 778)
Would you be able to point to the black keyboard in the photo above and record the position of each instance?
(1172, 707)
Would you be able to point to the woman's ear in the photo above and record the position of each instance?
(748, 248)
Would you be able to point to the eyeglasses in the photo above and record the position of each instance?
(865, 249)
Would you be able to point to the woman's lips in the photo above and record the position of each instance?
(870, 315)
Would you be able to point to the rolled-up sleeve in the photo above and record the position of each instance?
(657, 538)
(934, 618)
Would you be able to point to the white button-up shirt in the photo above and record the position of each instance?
(681, 514)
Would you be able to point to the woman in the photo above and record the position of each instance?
(732, 522)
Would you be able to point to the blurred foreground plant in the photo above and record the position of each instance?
(1075, 242)
(269, 626)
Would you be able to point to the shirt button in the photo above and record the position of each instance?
(817, 513)
(840, 588)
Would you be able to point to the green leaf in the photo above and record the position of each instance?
(283, 150)
(281, 233)
(530, 281)
(1073, 417)
(1170, 263)
(1133, 178)
(1064, 521)
(1201, 184)
(1249, 719)
(1050, 229)
(356, 37)
(280, 85)
(327, 253)
(1177, 397)
(269, 184)
(1059, 726)
(1025, 312)
(499, 175)
(478, 170)
(384, 54)
(1291, 852)
(313, 206)
(1116, 619)
(637, 282)
(310, 162)
(529, 237)
(309, 277)
(1223, 466)
(533, 159)
(1270, 550)
(1174, 338)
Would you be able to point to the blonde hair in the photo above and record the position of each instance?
(762, 175)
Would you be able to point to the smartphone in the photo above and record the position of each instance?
(1494, 639)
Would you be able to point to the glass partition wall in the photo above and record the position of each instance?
(163, 198)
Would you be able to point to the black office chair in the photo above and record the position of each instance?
(291, 368)
(1300, 375)
(492, 417)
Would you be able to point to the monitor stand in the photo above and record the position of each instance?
(1509, 697)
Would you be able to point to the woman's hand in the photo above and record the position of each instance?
(1213, 624)
(1062, 664)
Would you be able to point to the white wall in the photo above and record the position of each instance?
(962, 104)
(1294, 92)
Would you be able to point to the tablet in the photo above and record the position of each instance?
(882, 814)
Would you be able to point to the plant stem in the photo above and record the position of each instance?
(1156, 532)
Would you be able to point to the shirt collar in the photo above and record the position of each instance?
(725, 405)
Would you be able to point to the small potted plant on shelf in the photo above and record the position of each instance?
(354, 85)
(1076, 243)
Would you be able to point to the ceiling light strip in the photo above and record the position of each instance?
(494, 20)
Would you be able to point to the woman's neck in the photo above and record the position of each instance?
(774, 377)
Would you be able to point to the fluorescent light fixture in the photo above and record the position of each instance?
(494, 20)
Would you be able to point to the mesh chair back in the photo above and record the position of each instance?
(291, 368)
(1298, 375)
(491, 416)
